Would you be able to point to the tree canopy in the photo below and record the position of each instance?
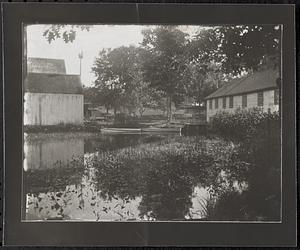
(170, 64)
(242, 48)
(119, 80)
(164, 62)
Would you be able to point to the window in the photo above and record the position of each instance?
(231, 102)
(276, 96)
(216, 103)
(260, 99)
(244, 101)
(210, 104)
(224, 102)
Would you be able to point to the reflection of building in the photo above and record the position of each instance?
(45, 153)
(259, 89)
(51, 96)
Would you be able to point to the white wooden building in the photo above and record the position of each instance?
(51, 96)
(259, 89)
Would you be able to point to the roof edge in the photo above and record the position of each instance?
(246, 92)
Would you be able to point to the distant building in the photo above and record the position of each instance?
(51, 96)
(94, 112)
(258, 89)
(46, 65)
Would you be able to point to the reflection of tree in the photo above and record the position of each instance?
(167, 192)
(261, 200)
(166, 189)
(263, 196)
(53, 179)
(164, 174)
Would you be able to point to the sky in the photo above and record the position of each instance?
(89, 42)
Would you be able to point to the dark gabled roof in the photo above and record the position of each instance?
(257, 81)
(53, 83)
(46, 65)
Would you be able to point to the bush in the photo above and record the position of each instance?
(245, 123)
(258, 135)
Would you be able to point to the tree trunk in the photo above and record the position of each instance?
(141, 111)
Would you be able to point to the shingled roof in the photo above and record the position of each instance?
(46, 65)
(260, 80)
(53, 83)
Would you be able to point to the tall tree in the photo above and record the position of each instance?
(239, 48)
(204, 72)
(115, 75)
(218, 53)
(163, 61)
(143, 96)
(200, 82)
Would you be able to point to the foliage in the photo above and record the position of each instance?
(244, 123)
(202, 79)
(258, 135)
(114, 71)
(217, 53)
(242, 48)
(243, 179)
(91, 95)
(169, 65)
(65, 32)
(143, 96)
(262, 175)
(119, 82)
(164, 173)
(163, 61)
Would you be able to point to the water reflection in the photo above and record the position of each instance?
(49, 151)
(96, 177)
(61, 184)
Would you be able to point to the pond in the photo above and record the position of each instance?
(120, 177)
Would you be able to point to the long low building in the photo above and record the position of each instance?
(259, 89)
(51, 96)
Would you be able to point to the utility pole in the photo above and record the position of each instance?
(80, 56)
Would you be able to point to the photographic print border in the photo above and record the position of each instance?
(142, 233)
(23, 202)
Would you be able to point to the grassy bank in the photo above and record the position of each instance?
(92, 127)
(86, 127)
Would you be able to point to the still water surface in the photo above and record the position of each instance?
(60, 182)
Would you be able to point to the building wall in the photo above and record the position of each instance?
(237, 103)
(52, 109)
